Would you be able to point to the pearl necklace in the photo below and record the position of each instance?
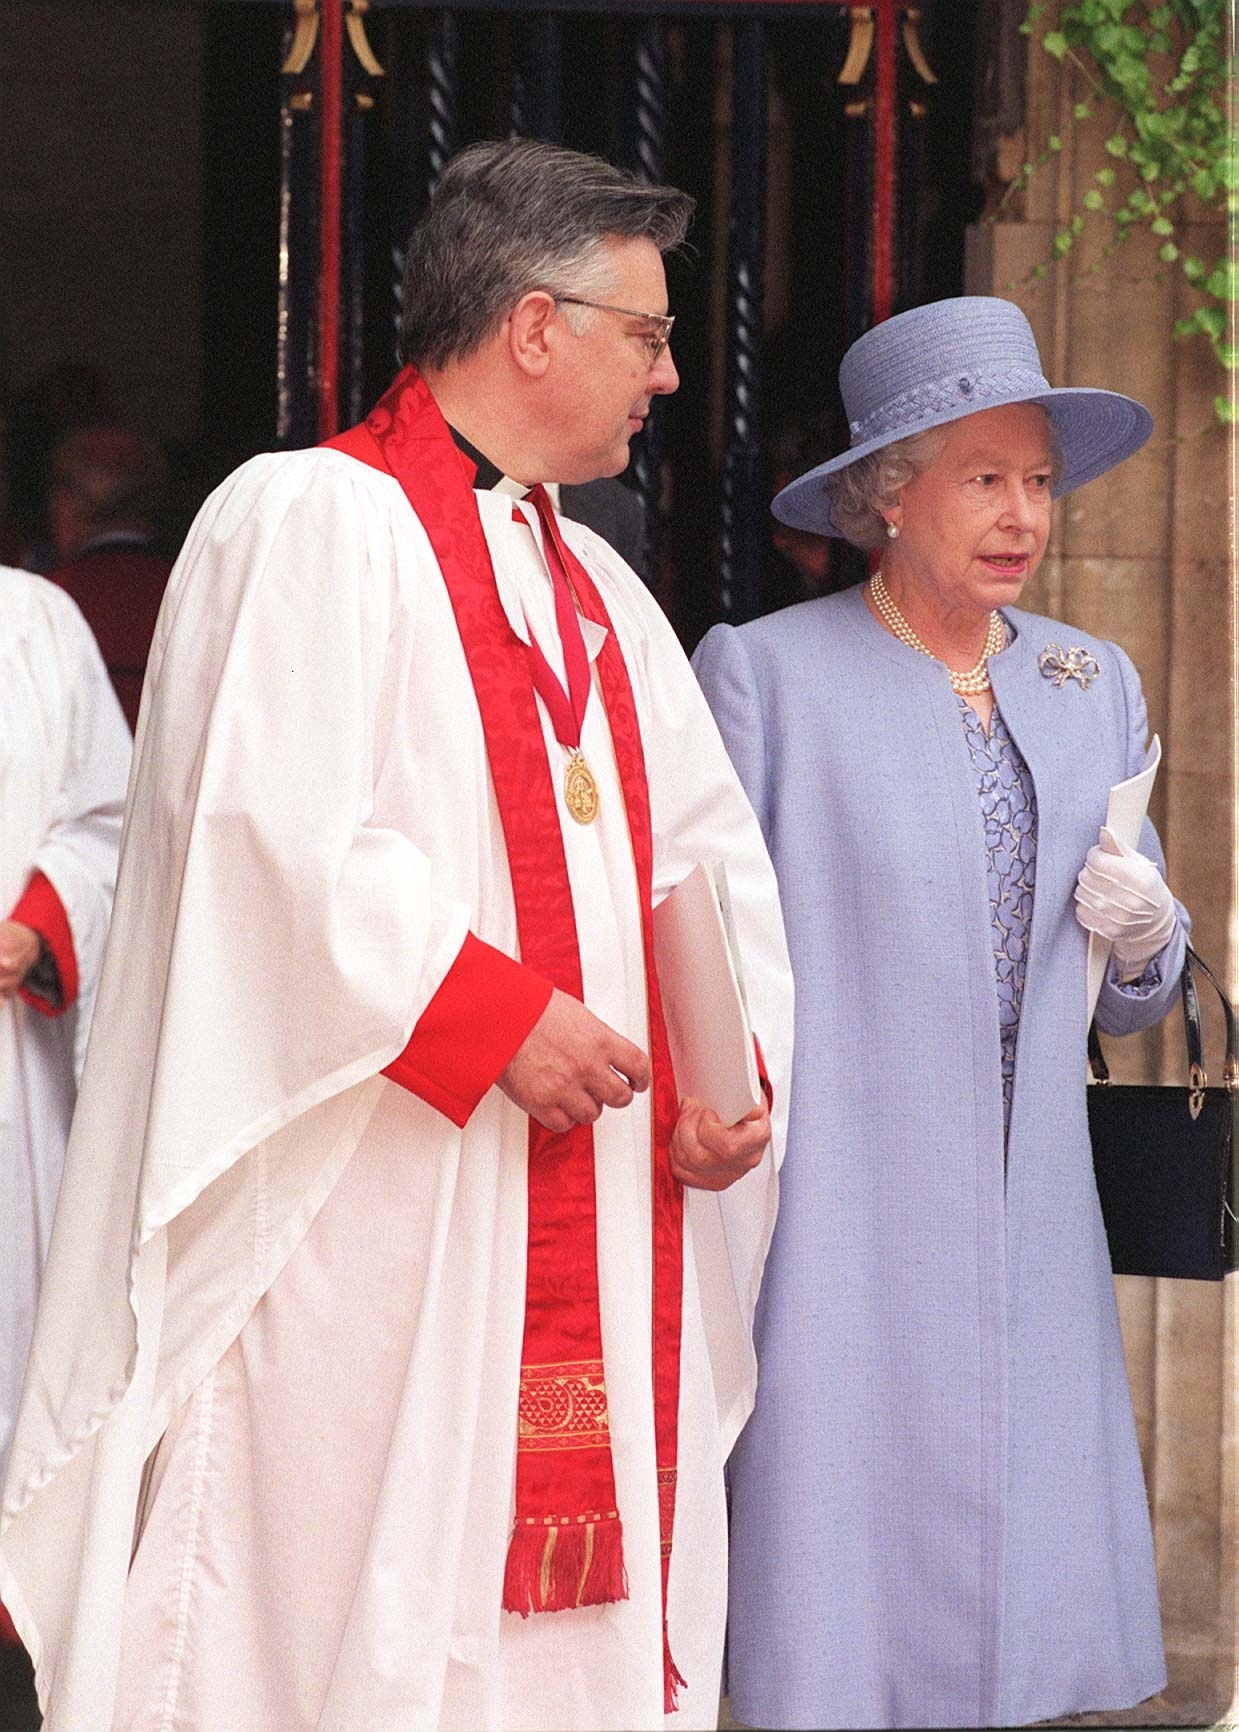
(966, 684)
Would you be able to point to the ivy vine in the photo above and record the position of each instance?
(1160, 71)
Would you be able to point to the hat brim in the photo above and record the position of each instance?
(1095, 431)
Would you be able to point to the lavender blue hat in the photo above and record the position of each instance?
(938, 363)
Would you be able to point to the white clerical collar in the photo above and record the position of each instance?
(518, 490)
(497, 525)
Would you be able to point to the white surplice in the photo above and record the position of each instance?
(326, 1276)
(64, 761)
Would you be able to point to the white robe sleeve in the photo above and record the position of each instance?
(63, 764)
(273, 941)
(78, 850)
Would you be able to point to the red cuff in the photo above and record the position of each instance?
(41, 908)
(767, 1087)
(481, 1013)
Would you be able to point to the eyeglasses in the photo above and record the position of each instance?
(655, 341)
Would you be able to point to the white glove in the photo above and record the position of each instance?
(1121, 896)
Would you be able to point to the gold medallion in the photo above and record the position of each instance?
(580, 790)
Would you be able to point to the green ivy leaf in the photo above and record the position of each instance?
(1226, 409)
(1223, 281)
(1174, 131)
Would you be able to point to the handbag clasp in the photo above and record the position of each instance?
(1198, 1082)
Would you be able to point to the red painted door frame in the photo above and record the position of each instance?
(331, 79)
(885, 123)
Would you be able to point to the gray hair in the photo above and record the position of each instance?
(513, 216)
(864, 491)
(861, 492)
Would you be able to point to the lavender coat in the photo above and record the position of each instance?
(938, 1511)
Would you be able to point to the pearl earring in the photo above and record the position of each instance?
(892, 532)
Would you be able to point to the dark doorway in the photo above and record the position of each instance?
(571, 75)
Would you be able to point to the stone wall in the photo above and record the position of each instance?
(1143, 556)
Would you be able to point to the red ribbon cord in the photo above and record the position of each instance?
(565, 708)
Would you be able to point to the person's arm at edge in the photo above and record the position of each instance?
(50, 985)
(1125, 1007)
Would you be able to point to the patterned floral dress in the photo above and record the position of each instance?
(1009, 814)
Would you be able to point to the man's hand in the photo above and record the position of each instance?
(711, 1155)
(571, 1065)
(19, 951)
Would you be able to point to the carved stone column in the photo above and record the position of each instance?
(1142, 557)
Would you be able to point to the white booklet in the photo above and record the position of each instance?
(1125, 812)
(708, 1025)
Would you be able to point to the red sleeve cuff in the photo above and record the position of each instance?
(481, 1013)
(41, 908)
(767, 1087)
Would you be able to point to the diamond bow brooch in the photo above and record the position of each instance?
(1062, 665)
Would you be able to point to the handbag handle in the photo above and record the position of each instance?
(1230, 1072)
(1197, 1079)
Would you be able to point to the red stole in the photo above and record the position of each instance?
(566, 1547)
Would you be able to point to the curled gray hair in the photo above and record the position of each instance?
(517, 215)
(862, 492)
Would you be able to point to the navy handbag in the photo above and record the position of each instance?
(1163, 1157)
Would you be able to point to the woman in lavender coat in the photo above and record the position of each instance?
(938, 1511)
